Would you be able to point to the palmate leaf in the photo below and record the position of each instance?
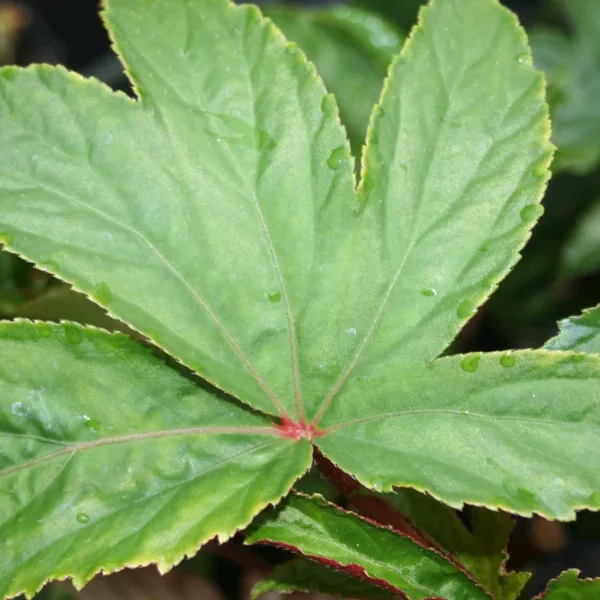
(569, 587)
(377, 554)
(579, 334)
(218, 216)
(110, 458)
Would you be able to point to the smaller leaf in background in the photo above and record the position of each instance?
(404, 12)
(569, 587)
(303, 575)
(352, 49)
(398, 563)
(582, 253)
(481, 551)
(62, 303)
(572, 67)
(579, 334)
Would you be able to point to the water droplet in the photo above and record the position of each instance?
(73, 334)
(328, 103)
(470, 363)
(275, 297)
(351, 331)
(532, 212)
(18, 409)
(92, 424)
(337, 158)
(83, 518)
(508, 360)
(577, 358)
(291, 49)
(429, 292)
(523, 57)
(34, 157)
(109, 138)
(103, 293)
(465, 309)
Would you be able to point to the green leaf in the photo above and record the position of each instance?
(111, 459)
(582, 252)
(569, 587)
(403, 12)
(302, 575)
(481, 551)
(343, 540)
(514, 430)
(186, 194)
(579, 334)
(352, 50)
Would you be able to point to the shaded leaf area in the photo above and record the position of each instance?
(349, 543)
(139, 584)
(482, 550)
(352, 50)
(514, 430)
(303, 575)
(569, 587)
(571, 63)
(404, 12)
(582, 252)
(19, 283)
(106, 449)
(61, 303)
(579, 334)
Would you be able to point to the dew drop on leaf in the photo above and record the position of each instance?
(83, 518)
(470, 363)
(539, 171)
(275, 297)
(522, 58)
(429, 292)
(508, 360)
(92, 424)
(103, 293)
(337, 157)
(532, 212)
(465, 309)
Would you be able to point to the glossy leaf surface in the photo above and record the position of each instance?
(107, 450)
(579, 334)
(569, 587)
(352, 50)
(378, 554)
(482, 550)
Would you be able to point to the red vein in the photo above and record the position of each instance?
(137, 437)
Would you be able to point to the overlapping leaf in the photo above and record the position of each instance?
(569, 587)
(582, 253)
(481, 550)
(352, 50)
(349, 543)
(109, 458)
(579, 334)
